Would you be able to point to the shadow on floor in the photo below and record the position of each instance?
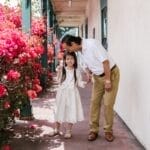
(34, 135)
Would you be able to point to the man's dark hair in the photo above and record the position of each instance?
(70, 38)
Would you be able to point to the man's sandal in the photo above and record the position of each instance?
(92, 136)
(109, 136)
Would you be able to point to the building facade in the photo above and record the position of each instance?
(127, 29)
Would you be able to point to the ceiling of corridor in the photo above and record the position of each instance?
(70, 12)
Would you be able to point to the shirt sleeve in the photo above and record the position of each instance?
(81, 64)
(99, 51)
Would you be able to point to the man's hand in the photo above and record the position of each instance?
(107, 71)
(88, 77)
(108, 85)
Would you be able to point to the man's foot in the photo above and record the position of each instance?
(109, 136)
(92, 136)
(68, 134)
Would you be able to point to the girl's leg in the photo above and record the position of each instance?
(56, 129)
(70, 126)
(57, 126)
(68, 133)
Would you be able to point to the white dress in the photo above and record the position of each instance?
(68, 102)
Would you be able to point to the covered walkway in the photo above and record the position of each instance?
(89, 19)
(34, 135)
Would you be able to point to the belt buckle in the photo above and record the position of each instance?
(102, 75)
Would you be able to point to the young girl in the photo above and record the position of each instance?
(69, 107)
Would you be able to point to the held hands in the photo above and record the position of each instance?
(88, 77)
(84, 84)
(108, 85)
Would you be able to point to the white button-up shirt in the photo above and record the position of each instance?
(93, 55)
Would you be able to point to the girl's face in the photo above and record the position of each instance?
(70, 61)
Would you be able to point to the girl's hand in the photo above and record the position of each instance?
(82, 84)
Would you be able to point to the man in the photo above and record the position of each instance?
(105, 81)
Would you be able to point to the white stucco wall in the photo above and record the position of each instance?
(129, 43)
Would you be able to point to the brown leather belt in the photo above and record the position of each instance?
(103, 74)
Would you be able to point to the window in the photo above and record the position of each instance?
(104, 22)
(86, 28)
(93, 33)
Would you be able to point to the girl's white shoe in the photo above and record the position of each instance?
(68, 134)
(55, 132)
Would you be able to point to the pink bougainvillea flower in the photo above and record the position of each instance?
(49, 75)
(37, 88)
(60, 55)
(37, 67)
(38, 27)
(16, 113)
(13, 75)
(50, 50)
(27, 78)
(23, 58)
(36, 81)
(33, 54)
(32, 94)
(16, 19)
(33, 126)
(39, 50)
(6, 104)
(3, 90)
(6, 147)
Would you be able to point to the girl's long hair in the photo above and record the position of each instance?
(75, 65)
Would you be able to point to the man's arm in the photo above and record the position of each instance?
(107, 77)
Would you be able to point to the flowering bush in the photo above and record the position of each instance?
(60, 53)
(50, 53)
(38, 27)
(20, 66)
(19, 71)
(11, 15)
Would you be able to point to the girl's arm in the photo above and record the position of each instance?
(59, 73)
(80, 82)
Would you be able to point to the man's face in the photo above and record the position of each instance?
(73, 48)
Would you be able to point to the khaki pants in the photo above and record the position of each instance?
(99, 93)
